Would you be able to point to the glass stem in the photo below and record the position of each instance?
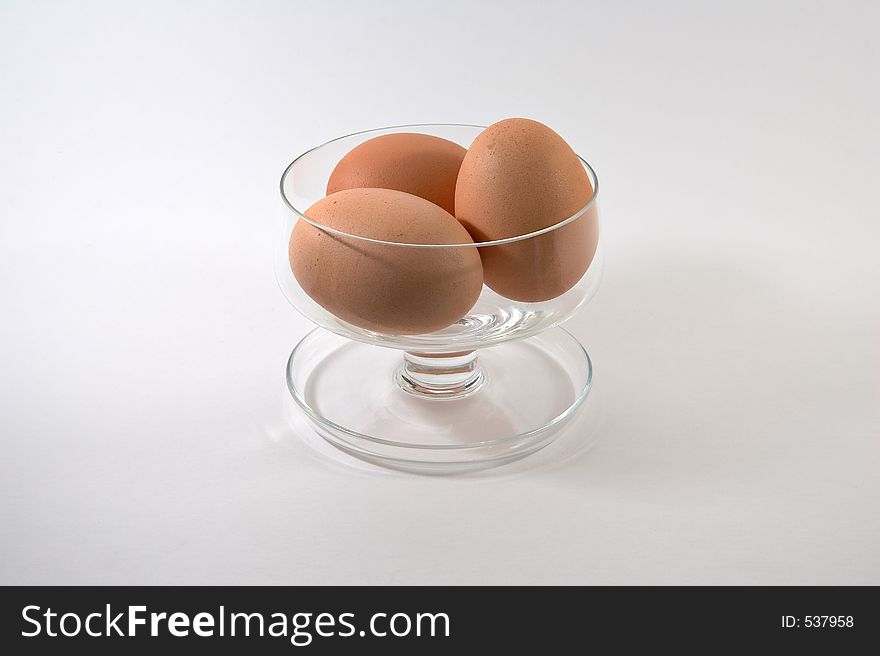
(440, 375)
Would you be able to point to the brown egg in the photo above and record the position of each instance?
(519, 176)
(381, 287)
(419, 164)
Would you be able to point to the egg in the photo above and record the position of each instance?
(419, 164)
(517, 177)
(386, 288)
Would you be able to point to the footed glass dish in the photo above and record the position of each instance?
(495, 386)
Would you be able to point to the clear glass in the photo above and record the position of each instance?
(492, 320)
(441, 401)
(346, 389)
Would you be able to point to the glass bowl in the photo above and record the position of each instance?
(493, 386)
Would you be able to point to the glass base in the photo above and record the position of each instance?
(511, 401)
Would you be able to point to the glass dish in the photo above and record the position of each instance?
(494, 386)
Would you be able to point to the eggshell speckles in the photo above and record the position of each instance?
(386, 288)
(419, 164)
(519, 176)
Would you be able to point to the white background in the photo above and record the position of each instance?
(146, 432)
